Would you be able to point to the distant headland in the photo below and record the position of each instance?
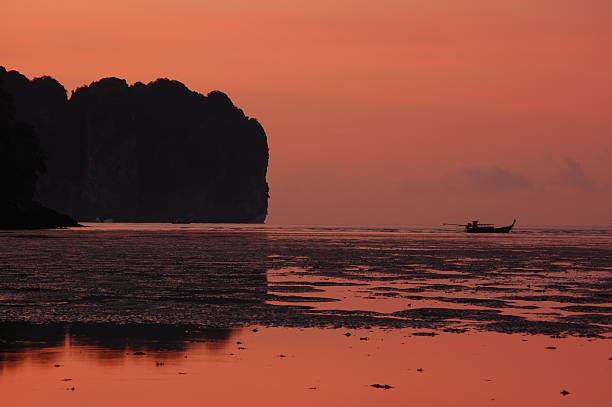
(155, 152)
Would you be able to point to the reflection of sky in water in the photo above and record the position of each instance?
(319, 367)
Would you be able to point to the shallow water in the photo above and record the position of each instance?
(88, 298)
(232, 275)
(317, 367)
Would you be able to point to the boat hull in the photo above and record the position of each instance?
(503, 229)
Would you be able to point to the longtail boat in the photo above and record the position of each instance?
(477, 227)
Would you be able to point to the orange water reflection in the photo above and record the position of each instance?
(319, 367)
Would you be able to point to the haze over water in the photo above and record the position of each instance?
(159, 313)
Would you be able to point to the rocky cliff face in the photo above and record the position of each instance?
(154, 152)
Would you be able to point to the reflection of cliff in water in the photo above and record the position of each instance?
(44, 342)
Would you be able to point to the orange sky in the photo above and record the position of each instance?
(414, 111)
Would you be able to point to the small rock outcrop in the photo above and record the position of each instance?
(154, 152)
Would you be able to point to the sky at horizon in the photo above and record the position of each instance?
(388, 112)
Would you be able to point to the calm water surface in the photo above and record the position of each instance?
(135, 314)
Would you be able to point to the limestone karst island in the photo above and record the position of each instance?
(155, 152)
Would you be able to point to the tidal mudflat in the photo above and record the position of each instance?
(194, 314)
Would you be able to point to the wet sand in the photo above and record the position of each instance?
(495, 320)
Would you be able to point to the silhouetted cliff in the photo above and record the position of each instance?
(21, 163)
(155, 152)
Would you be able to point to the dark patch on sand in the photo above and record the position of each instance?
(602, 319)
(481, 302)
(545, 328)
(37, 237)
(455, 330)
(381, 386)
(322, 283)
(297, 298)
(441, 314)
(587, 308)
(294, 289)
(597, 298)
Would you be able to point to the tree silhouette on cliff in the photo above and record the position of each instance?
(21, 158)
(21, 164)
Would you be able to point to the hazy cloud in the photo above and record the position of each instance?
(571, 173)
(493, 179)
